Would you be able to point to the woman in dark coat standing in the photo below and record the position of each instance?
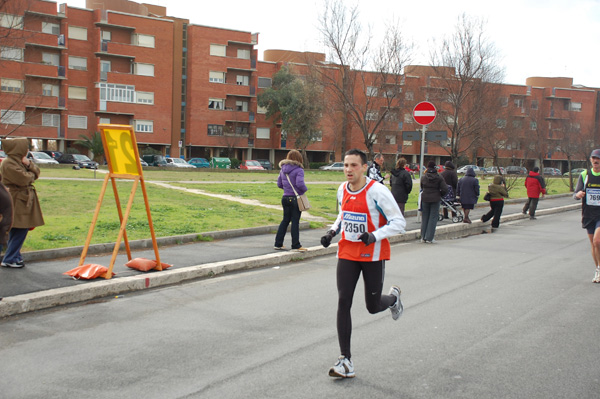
(401, 184)
(451, 178)
(433, 188)
(468, 191)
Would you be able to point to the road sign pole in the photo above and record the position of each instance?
(422, 150)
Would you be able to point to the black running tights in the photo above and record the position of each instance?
(348, 272)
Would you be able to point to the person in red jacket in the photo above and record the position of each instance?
(535, 186)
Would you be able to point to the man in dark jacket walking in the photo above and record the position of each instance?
(433, 188)
(451, 178)
(535, 186)
(401, 184)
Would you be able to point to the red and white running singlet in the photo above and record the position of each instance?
(372, 209)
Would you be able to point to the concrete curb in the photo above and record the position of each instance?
(99, 289)
(107, 248)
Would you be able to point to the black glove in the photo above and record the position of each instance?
(326, 239)
(367, 238)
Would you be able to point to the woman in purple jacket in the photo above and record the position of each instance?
(292, 166)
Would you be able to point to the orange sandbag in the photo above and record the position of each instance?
(87, 272)
(143, 264)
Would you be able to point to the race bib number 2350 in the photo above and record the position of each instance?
(354, 224)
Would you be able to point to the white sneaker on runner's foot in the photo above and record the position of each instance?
(596, 276)
(343, 368)
(397, 308)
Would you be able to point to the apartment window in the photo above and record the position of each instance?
(518, 103)
(142, 40)
(11, 85)
(216, 77)
(77, 122)
(409, 95)
(51, 28)
(243, 53)
(261, 110)
(318, 136)
(534, 104)
(11, 53)
(77, 93)
(408, 118)
(504, 101)
(576, 107)
(517, 123)
(143, 69)
(216, 103)
(241, 130)
(52, 120)
(215, 130)
(51, 59)
(11, 21)
(77, 33)
(263, 133)
(11, 117)
(218, 49)
(144, 126)
(79, 63)
(105, 121)
(390, 139)
(372, 115)
(533, 125)
(242, 80)
(371, 91)
(50, 90)
(117, 93)
(264, 82)
(106, 36)
(500, 123)
(241, 106)
(143, 97)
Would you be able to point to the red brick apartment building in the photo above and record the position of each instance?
(191, 90)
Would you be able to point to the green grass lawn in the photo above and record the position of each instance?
(69, 205)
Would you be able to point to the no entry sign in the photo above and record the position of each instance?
(424, 113)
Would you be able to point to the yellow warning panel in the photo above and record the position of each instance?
(120, 148)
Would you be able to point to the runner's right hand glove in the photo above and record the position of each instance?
(326, 239)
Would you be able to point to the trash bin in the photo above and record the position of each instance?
(220, 163)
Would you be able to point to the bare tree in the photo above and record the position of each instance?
(468, 67)
(364, 78)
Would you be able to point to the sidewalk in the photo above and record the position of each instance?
(42, 285)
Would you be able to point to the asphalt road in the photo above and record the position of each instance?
(508, 315)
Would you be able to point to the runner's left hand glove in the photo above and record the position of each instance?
(367, 238)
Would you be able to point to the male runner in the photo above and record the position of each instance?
(368, 214)
(588, 190)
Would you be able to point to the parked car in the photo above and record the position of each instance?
(251, 165)
(516, 170)
(155, 160)
(493, 170)
(463, 169)
(552, 172)
(333, 166)
(265, 163)
(440, 168)
(574, 172)
(53, 154)
(178, 163)
(199, 163)
(78, 159)
(143, 163)
(41, 157)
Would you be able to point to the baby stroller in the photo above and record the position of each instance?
(450, 203)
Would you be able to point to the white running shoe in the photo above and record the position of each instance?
(343, 368)
(397, 308)
(596, 276)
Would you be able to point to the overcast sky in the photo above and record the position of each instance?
(534, 37)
